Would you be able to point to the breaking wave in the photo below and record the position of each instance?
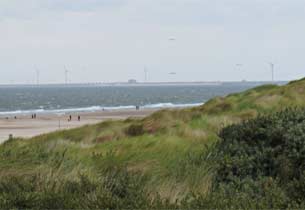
(99, 108)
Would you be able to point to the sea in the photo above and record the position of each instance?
(23, 100)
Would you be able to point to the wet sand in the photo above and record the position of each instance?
(24, 126)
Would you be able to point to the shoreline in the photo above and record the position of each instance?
(93, 109)
(26, 127)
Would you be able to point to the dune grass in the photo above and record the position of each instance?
(171, 148)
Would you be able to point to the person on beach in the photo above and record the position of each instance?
(78, 118)
(70, 118)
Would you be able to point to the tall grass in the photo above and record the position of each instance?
(171, 148)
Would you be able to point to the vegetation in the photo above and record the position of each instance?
(260, 164)
(231, 150)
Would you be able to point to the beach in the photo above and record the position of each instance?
(26, 127)
(95, 103)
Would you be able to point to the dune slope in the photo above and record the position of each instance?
(170, 148)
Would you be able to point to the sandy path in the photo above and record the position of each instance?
(26, 127)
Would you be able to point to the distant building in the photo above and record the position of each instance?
(132, 81)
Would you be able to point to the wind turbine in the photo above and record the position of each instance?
(239, 68)
(66, 75)
(145, 74)
(37, 75)
(272, 70)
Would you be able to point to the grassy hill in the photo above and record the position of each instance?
(169, 152)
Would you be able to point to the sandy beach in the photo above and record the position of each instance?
(24, 126)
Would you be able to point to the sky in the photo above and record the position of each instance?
(114, 40)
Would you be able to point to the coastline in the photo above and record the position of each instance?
(93, 109)
(26, 127)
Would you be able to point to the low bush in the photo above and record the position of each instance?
(135, 130)
(263, 157)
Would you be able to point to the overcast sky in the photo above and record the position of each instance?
(112, 40)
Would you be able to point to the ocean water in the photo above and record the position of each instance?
(54, 99)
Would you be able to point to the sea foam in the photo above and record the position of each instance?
(98, 108)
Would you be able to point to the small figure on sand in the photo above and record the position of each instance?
(78, 118)
(70, 118)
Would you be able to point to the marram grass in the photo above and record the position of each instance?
(170, 148)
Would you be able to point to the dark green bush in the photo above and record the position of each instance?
(242, 194)
(135, 130)
(269, 147)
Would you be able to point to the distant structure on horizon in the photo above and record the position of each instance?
(132, 81)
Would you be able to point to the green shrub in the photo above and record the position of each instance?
(135, 130)
(243, 194)
(269, 147)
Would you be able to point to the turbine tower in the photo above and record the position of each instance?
(239, 67)
(37, 76)
(145, 74)
(272, 71)
(66, 75)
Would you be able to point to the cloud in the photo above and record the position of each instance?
(114, 39)
(33, 8)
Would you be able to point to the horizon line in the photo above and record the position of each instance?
(143, 83)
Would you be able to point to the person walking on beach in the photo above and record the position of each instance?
(78, 118)
(70, 118)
